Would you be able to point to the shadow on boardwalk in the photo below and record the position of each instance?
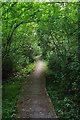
(34, 101)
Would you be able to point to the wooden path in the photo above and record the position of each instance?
(34, 101)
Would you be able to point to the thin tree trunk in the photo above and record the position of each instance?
(79, 32)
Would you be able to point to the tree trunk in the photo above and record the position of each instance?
(79, 32)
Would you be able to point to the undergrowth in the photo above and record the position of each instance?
(11, 92)
(64, 105)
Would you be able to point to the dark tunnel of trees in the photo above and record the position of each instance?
(51, 30)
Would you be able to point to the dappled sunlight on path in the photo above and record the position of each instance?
(40, 67)
(34, 101)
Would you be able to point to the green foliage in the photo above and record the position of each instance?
(52, 31)
(65, 106)
(12, 90)
(11, 93)
(63, 87)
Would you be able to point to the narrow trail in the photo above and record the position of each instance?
(34, 101)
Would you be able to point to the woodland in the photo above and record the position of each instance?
(50, 30)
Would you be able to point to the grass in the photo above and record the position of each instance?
(11, 93)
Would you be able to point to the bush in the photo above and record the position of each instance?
(7, 66)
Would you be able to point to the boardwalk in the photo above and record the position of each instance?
(34, 101)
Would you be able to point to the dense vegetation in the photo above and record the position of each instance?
(51, 30)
